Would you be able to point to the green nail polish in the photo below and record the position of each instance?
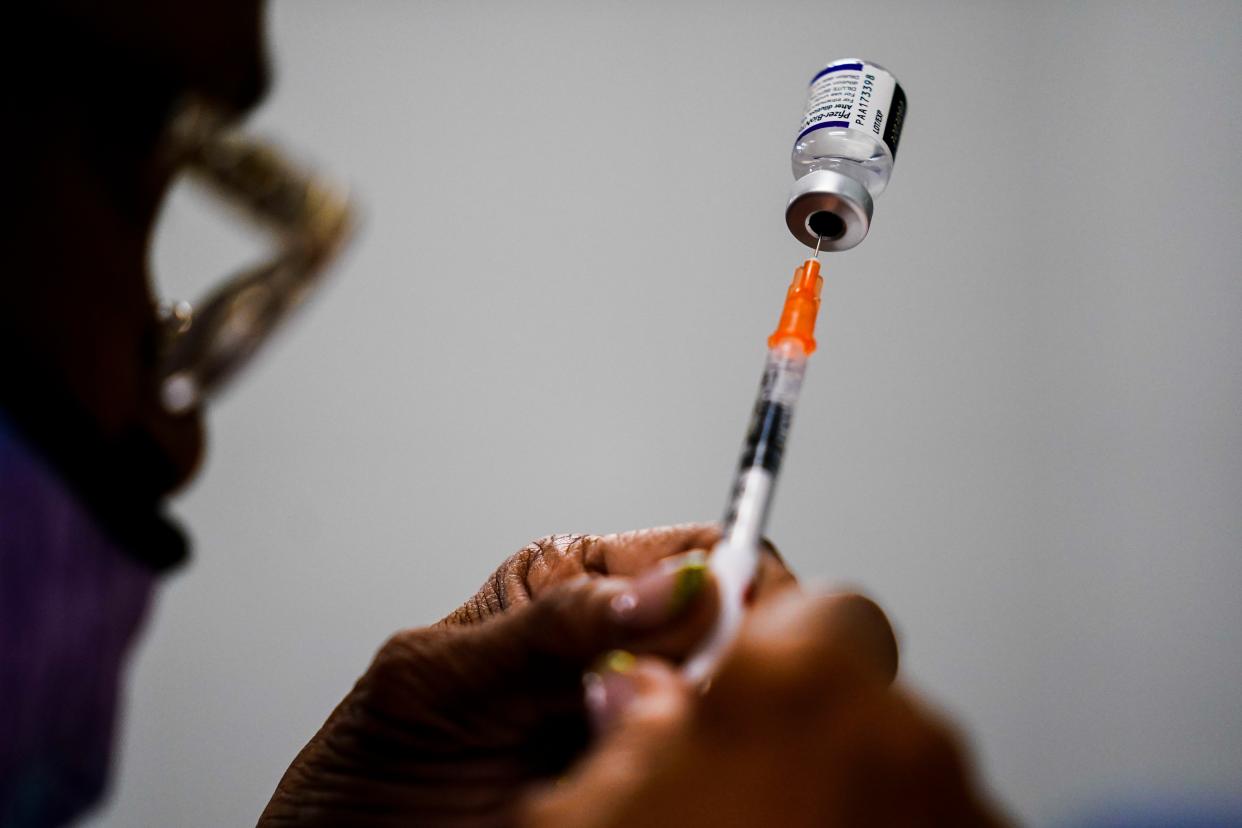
(616, 661)
(691, 576)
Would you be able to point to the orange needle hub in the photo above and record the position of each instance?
(801, 308)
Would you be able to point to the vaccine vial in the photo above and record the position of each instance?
(844, 152)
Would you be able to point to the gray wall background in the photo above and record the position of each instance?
(1023, 433)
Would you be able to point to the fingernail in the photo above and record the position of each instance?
(609, 688)
(662, 594)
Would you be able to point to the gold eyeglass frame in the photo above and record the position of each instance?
(204, 346)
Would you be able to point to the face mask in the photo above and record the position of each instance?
(71, 603)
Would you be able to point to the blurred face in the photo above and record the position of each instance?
(215, 49)
(99, 81)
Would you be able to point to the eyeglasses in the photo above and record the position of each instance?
(205, 346)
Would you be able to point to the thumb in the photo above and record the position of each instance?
(524, 667)
(640, 705)
(665, 611)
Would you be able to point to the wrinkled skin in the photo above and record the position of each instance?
(799, 728)
(452, 724)
(478, 720)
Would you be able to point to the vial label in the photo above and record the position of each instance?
(854, 94)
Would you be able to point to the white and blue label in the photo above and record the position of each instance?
(856, 95)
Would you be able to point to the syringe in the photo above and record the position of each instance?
(735, 558)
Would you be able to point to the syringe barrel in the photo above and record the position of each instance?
(735, 559)
(764, 447)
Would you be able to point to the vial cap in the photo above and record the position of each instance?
(829, 208)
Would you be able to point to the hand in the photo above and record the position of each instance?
(451, 724)
(800, 727)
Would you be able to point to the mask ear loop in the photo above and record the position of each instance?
(205, 346)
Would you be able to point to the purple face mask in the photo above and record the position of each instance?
(71, 603)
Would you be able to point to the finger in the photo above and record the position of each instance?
(695, 601)
(556, 558)
(544, 564)
(902, 764)
(773, 574)
(629, 553)
(802, 650)
(533, 569)
(550, 561)
(834, 627)
(640, 706)
(538, 651)
(622, 688)
(665, 611)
